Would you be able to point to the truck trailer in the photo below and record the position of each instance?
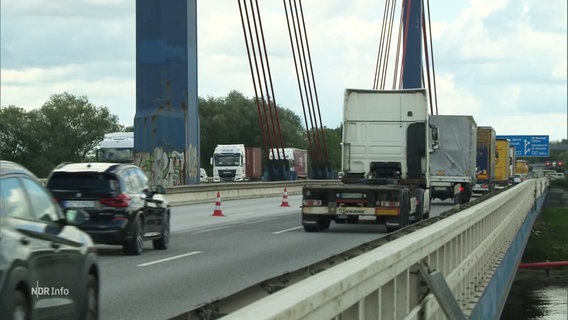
(235, 162)
(485, 160)
(522, 169)
(386, 146)
(502, 150)
(297, 161)
(452, 174)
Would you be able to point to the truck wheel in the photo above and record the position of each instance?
(391, 229)
(353, 219)
(311, 228)
(311, 223)
(324, 223)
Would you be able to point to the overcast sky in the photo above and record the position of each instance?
(504, 62)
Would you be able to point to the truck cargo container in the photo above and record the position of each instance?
(485, 181)
(453, 174)
(297, 161)
(502, 150)
(512, 160)
(522, 169)
(235, 162)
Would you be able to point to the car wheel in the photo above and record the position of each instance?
(91, 300)
(135, 245)
(20, 309)
(164, 241)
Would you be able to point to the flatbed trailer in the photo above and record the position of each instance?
(394, 205)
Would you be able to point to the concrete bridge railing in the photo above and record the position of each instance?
(207, 192)
(473, 253)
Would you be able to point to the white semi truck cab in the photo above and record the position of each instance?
(229, 163)
(116, 147)
(386, 146)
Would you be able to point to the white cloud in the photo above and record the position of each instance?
(504, 62)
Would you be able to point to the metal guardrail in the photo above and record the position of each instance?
(383, 279)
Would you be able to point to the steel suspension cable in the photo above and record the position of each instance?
(432, 55)
(314, 82)
(279, 144)
(308, 131)
(397, 76)
(252, 71)
(302, 71)
(427, 60)
(388, 45)
(307, 84)
(381, 46)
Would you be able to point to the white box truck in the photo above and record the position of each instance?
(453, 174)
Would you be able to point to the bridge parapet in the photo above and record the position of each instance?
(180, 195)
(473, 249)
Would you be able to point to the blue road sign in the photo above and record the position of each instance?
(529, 146)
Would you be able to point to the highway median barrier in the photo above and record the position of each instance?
(193, 194)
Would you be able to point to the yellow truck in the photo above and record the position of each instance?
(522, 169)
(502, 150)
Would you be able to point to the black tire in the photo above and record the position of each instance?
(135, 245)
(311, 228)
(164, 241)
(91, 300)
(392, 229)
(324, 223)
(353, 219)
(19, 308)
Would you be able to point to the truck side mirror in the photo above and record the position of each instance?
(435, 142)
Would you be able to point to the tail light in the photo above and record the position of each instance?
(461, 188)
(311, 202)
(120, 201)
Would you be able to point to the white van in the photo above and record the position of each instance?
(204, 177)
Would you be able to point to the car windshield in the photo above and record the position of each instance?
(84, 181)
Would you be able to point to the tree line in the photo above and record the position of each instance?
(67, 127)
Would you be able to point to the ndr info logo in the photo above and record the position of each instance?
(49, 291)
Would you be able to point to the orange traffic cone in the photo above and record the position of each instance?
(285, 199)
(217, 212)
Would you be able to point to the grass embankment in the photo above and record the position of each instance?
(549, 237)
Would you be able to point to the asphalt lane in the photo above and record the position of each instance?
(215, 256)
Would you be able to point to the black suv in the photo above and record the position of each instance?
(48, 267)
(123, 208)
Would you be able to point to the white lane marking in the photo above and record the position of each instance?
(286, 230)
(168, 259)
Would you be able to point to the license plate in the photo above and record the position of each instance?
(345, 195)
(78, 204)
(354, 210)
(440, 188)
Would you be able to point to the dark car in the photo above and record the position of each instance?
(123, 208)
(48, 267)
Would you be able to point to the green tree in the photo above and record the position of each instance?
(333, 140)
(234, 119)
(64, 129)
(14, 134)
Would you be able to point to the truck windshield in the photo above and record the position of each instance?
(115, 155)
(227, 160)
